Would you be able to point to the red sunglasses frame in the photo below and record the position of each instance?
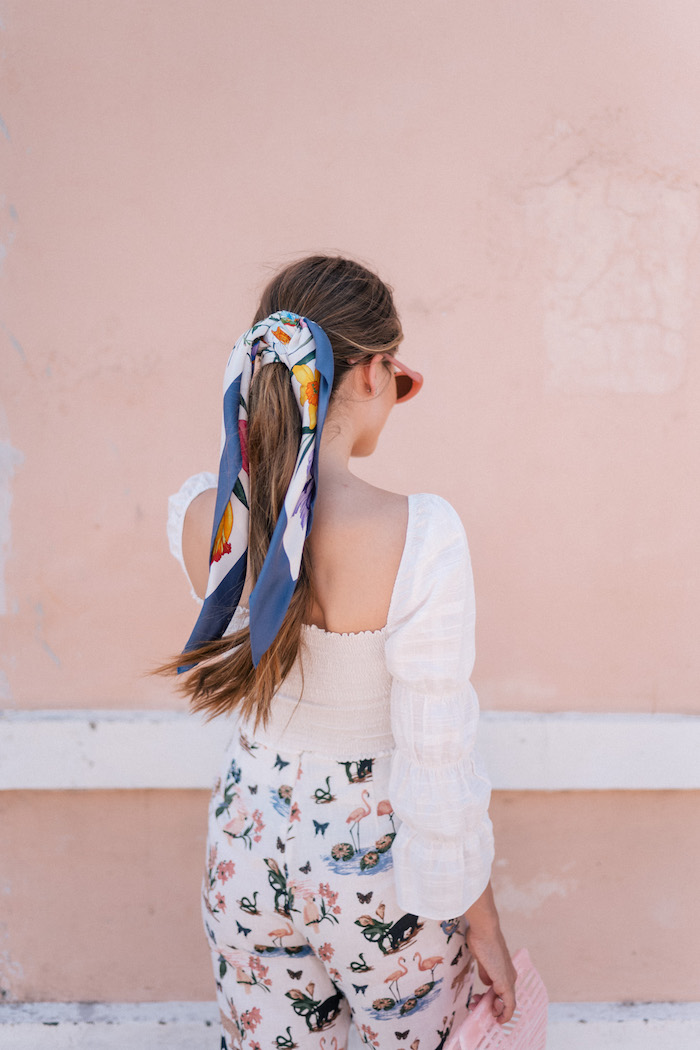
(408, 382)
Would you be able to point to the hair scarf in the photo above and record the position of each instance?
(305, 349)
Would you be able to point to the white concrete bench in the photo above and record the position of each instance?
(194, 1026)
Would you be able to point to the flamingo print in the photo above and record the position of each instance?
(429, 964)
(394, 977)
(385, 809)
(280, 933)
(357, 815)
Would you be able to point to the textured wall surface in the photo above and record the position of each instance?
(526, 176)
(101, 893)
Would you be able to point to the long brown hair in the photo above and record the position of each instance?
(356, 310)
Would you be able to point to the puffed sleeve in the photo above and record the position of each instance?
(177, 509)
(443, 850)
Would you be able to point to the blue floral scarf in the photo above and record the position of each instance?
(306, 351)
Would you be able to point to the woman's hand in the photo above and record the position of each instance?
(487, 944)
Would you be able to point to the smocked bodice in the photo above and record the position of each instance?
(336, 698)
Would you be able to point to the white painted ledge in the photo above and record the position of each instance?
(623, 1026)
(109, 1026)
(79, 749)
(194, 1026)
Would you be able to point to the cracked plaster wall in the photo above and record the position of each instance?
(618, 294)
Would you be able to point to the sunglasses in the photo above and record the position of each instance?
(408, 382)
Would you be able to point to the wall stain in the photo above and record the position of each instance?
(5, 689)
(10, 459)
(14, 342)
(39, 634)
(8, 224)
(11, 972)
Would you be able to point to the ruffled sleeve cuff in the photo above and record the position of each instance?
(441, 878)
(444, 848)
(177, 509)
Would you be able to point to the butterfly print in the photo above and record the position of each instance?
(320, 889)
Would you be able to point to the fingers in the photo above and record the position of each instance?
(496, 969)
(504, 1006)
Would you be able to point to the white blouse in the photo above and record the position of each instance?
(443, 849)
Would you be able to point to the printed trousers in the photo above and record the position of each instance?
(301, 915)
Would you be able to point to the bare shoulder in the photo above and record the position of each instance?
(363, 514)
(378, 523)
(378, 509)
(357, 542)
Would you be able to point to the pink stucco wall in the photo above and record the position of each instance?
(103, 892)
(526, 175)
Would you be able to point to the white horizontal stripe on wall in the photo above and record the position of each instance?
(194, 1026)
(79, 749)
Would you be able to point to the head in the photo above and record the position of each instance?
(354, 307)
(356, 311)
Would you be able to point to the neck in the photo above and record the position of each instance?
(334, 452)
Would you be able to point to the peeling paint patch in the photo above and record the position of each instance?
(526, 898)
(616, 300)
(10, 971)
(10, 459)
(5, 690)
(4, 129)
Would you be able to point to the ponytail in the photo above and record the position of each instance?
(356, 311)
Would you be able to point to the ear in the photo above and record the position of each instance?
(373, 375)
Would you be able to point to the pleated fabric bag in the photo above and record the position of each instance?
(526, 1030)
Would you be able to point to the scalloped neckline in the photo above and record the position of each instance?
(343, 634)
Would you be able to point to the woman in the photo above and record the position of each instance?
(347, 877)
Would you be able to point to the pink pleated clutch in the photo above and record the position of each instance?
(526, 1030)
